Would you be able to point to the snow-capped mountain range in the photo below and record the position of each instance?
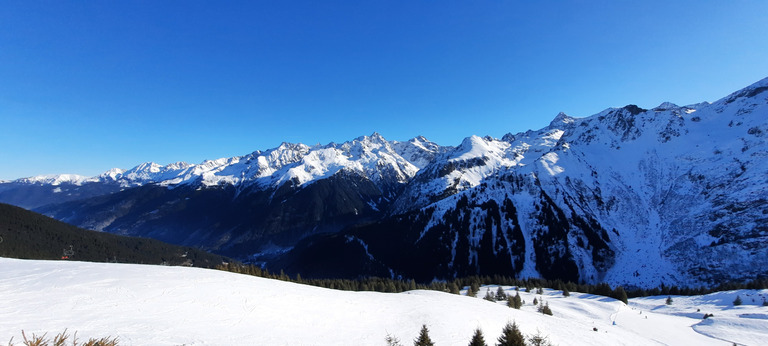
(674, 194)
(373, 156)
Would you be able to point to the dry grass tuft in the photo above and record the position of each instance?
(61, 340)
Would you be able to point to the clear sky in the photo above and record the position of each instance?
(86, 86)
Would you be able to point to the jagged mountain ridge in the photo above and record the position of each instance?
(384, 162)
(683, 188)
(240, 205)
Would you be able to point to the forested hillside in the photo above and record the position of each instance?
(29, 235)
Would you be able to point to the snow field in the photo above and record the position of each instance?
(156, 305)
(746, 324)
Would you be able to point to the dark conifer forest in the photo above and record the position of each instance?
(29, 235)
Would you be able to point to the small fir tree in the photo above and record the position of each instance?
(539, 340)
(669, 300)
(392, 340)
(535, 301)
(566, 293)
(470, 292)
(423, 339)
(511, 336)
(539, 290)
(500, 295)
(478, 339)
(544, 309)
(737, 301)
(489, 296)
(475, 287)
(515, 302)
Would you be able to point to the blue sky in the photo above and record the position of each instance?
(86, 86)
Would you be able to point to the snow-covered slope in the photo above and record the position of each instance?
(673, 185)
(156, 305)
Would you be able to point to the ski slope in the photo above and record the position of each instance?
(158, 305)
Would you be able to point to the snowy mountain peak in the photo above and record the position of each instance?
(377, 137)
(561, 120)
(478, 147)
(287, 146)
(470, 147)
(510, 137)
(374, 138)
(55, 179)
(696, 106)
(665, 106)
(112, 174)
(633, 109)
(419, 151)
(144, 169)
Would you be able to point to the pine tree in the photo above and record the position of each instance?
(489, 297)
(737, 302)
(392, 340)
(471, 292)
(478, 339)
(500, 295)
(544, 309)
(515, 302)
(539, 340)
(566, 293)
(475, 287)
(423, 339)
(669, 300)
(535, 301)
(511, 336)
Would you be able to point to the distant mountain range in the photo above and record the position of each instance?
(674, 194)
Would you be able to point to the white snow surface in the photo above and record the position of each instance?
(158, 305)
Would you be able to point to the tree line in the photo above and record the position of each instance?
(389, 285)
